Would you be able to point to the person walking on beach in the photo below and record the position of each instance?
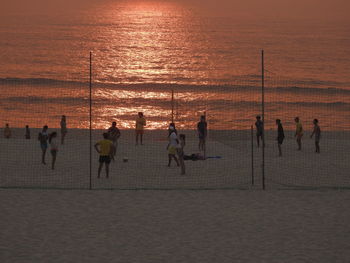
(140, 123)
(7, 131)
(113, 135)
(106, 151)
(43, 137)
(27, 134)
(259, 130)
(280, 136)
(299, 132)
(180, 152)
(54, 148)
(172, 145)
(317, 133)
(202, 133)
(64, 131)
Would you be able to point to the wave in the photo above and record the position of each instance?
(242, 84)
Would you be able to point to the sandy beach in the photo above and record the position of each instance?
(147, 165)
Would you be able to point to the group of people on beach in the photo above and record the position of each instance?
(299, 133)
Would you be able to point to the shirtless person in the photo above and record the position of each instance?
(113, 135)
(299, 132)
(317, 133)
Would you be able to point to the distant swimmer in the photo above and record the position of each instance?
(54, 148)
(259, 130)
(7, 131)
(299, 132)
(317, 133)
(64, 131)
(140, 124)
(180, 152)
(27, 134)
(172, 145)
(43, 137)
(280, 136)
(106, 150)
(113, 135)
(202, 130)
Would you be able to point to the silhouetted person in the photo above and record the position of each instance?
(43, 137)
(140, 124)
(27, 134)
(7, 131)
(172, 145)
(259, 130)
(280, 136)
(299, 132)
(180, 152)
(106, 151)
(64, 130)
(54, 148)
(317, 133)
(113, 135)
(202, 130)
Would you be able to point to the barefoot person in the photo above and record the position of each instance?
(64, 131)
(280, 136)
(105, 149)
(202, 133)
(27, 134)
(259, 129)
(7, 131)
(172, 145)
(299, 132)
(43, 137)
(140, 124)
(54, 148)
(113, 135)
(317, 133)
(180, 152)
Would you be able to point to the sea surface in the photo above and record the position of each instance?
(171, 61)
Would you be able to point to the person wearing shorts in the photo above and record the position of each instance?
(43, 137)
(280, 136)
(105, 149)
(172, 145)
(140, 123)
(113, 135)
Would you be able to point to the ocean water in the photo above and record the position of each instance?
(141, 51)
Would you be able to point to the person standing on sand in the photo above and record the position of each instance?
(43, 137)
(180, 152)
(113, 135)
(64, 131)
(27, 134)
(299, 132)
(106, 150)
(7, 131)
(259, 130)
(280, 136)
(140, 123)
(202, 130)
(317, 133)
(54, 148)
(172, 145)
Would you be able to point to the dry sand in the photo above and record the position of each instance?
(21, 166)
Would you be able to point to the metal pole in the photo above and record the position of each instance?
(90, 113)
(263, 116)
(172, 106)
(252, 140)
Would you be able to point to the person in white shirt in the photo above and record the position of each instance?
(172, 145)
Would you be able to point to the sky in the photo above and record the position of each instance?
(291, 9)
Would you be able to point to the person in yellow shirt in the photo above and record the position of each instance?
(106, 149)
(299, 132)
(140, 123)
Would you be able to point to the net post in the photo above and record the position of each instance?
(263, 116)
(252, 151)
(90, 122)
